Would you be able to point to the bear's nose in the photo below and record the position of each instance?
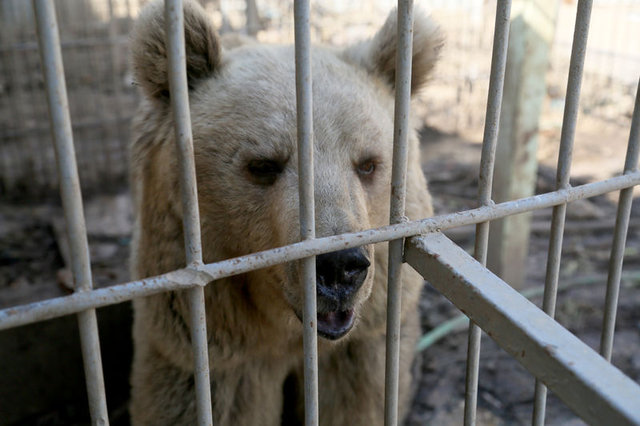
(341, 273)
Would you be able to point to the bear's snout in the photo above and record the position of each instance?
(339, 276)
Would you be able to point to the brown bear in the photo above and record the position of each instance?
(243, 111)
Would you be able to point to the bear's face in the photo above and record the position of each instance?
(243, 110)
(246, 157)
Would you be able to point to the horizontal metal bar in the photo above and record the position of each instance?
(77, 302)
(594, 389)
(190, 277)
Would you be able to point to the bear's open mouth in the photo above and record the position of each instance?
(335, 324)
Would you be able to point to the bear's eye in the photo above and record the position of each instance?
(366, 168)
(264, 171)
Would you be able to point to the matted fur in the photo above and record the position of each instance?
(243, 107)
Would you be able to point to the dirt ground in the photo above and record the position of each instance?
(33, 253)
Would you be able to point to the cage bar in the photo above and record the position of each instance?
(304, 108)
(49, 42)
(200, 276)
(569, 120)
(620, 236)
(485, 183)
(594, 389)
(174, 21)
(397, 202)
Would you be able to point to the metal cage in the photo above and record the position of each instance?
(582, 378)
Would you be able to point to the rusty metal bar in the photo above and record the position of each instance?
(304, 108)
(569, 119)
(174, 21)
(485, 183)
(396, 209)
(200, 276)
(620, 236)
(595, 390)
(49, 42)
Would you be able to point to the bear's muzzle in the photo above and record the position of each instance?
(339, 276)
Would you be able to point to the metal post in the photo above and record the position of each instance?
(620, 236)
(49, 41)
(574, 83)
(307, 206)
(174, 20)
(398, 189)
(487, 162)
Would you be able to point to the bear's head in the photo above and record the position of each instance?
(243, 111)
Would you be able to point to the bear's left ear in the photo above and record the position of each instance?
(378, 55)
(149, 49)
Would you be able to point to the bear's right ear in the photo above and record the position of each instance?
(378, 54)
(149, 48)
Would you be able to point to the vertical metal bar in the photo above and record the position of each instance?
(530, 40)
(307, 205)
(569, 119)
(174, 20)
(49, 41)
(404, 55)
(182, 121)
(620, 236)
(485, 184)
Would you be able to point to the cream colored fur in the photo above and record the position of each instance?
(243, 107)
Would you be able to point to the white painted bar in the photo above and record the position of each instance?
(174, 21)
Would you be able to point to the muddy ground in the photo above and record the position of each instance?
(33, 267)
